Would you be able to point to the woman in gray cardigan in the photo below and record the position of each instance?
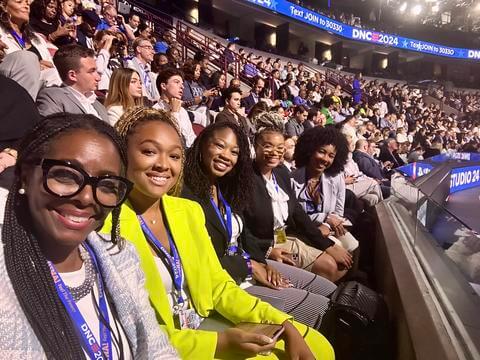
(66, 292)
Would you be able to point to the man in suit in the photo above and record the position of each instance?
(254, 96)
(86, 30)
(294, 126)
(389, 153)
(363, 156)
(78, 71)
(141, 63)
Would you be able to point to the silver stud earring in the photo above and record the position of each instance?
(21, 191)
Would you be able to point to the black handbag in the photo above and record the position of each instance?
(356, 323)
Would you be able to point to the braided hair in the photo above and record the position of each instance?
(26, 265)
(268, 122)
(236, 186)
(135, 116)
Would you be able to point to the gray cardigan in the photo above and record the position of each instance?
(125, 282)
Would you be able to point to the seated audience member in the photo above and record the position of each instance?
(196, 98)
(86, 30)
(229, 54)
(184, 278)
(19, 115)
(67, 12)
(275, 212)
(174, 57)
(205, 72)
(301, 99)
(254, 96)
(170, 87)
(416, 154)
(312, 118)
(293, 89)
(367, 164)
(77, 68)
(114, 22)
(250, 69)
(133, 23)
(164, 43)
(145, 31)
(319, 184)
(232, 112)
(218, 81)
(111, 48)
(294, 126)
(159, 63)
(388, 154)
(125, 92)
(363, 186)
(285, 98)
(55, 265)
(288, 161)
(141, 63)
(218, 175)
(27, 55)
(44, 19)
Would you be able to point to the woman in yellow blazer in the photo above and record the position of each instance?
(155, 165)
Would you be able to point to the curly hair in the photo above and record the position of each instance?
(138, 115)
(25, 262)
(236, 186)
(316, 137)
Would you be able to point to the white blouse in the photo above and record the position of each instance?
(279, 203)
(91, 316)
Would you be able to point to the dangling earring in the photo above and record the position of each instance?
(21, 191)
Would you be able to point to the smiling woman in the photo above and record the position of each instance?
(184, 278)
(60, 277)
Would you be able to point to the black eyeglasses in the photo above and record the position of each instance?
(64, 179)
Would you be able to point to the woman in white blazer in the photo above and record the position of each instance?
(17, 34)
(320, 155)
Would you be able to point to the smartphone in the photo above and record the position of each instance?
(273, 331)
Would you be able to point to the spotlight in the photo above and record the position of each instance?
(416, 10)
(403, 7)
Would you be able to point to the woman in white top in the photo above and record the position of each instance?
(17, 34)
(125, 91)
(68, 292)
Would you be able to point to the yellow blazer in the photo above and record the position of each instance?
(211, 287)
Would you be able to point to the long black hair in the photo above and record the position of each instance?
(236, 186)
(313, 138)
(26, 265)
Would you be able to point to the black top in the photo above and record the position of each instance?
(259, 215)
(235, 265)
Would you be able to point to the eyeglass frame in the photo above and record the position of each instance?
(47, 164)
(274, 149)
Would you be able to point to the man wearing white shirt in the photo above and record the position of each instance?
(170, 87)
(78, 70)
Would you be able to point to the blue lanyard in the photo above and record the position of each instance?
(96, 351)
(173, 260)
(18, 38)
(275, 181)
(228, 214)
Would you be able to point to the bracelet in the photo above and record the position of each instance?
(247, 259)
(12, 152)
(269, 251)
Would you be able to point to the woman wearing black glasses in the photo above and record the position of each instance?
(68, 293)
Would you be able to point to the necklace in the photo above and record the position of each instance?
(78, 292)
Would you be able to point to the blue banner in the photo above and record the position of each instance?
(322, 22)
(464, 178)
(416, 169)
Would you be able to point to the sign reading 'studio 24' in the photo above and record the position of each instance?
(313, 18)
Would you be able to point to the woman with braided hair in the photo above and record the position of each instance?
(67, 292)
(186, 283)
